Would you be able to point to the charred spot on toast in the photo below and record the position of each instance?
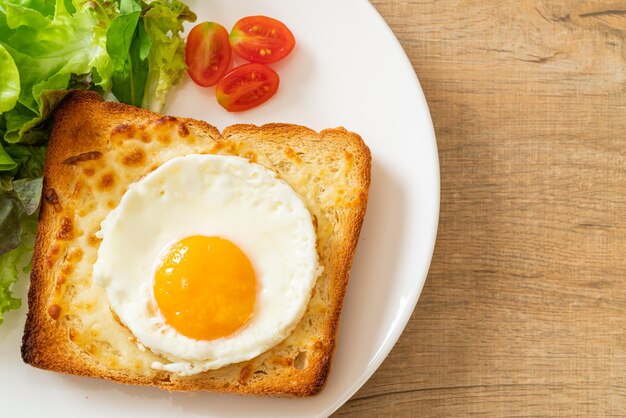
(54, 311)
(66, 229)
(165, 120)
(85, 156)
(134, 157)
(183, 131)
(124, 130)
(51, 197)
(244, 374)
(107, 181)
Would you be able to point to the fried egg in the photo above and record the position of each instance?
(208, 260)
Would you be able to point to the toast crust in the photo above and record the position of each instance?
(82, 130)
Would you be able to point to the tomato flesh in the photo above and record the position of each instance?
(261, 39)
(247, 86)
(208, 53)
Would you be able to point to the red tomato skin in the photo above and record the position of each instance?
(261, 39)
(246, 87)
(207, 53)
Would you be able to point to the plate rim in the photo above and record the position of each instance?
(407, 313)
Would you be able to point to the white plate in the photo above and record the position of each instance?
(347, 69)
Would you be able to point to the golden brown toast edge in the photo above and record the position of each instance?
(46, 346)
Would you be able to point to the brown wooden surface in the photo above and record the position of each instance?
(524, 310)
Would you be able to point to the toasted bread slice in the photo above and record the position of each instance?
(96, 150)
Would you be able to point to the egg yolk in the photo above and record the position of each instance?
(205, 287)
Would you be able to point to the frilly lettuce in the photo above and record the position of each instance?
(147, 51)
(163, 21)
(48, 49)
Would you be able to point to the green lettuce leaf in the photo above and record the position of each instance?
(28, 193)
(28, 159)
(129, 6)
(43, 7)
(10, 226)
(124, 43)
(48, 50)
(10, 86)
(6, 162)
(13, 262)
(24, 14)
(120, 37)
(18, 198)
(163, 22)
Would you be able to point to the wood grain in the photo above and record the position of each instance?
(524, 310)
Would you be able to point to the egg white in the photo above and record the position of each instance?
(209, 195)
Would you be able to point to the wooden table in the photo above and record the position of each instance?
(524, 310)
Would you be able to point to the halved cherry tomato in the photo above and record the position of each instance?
(247, 86)
(208, 53)
(261, 39)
